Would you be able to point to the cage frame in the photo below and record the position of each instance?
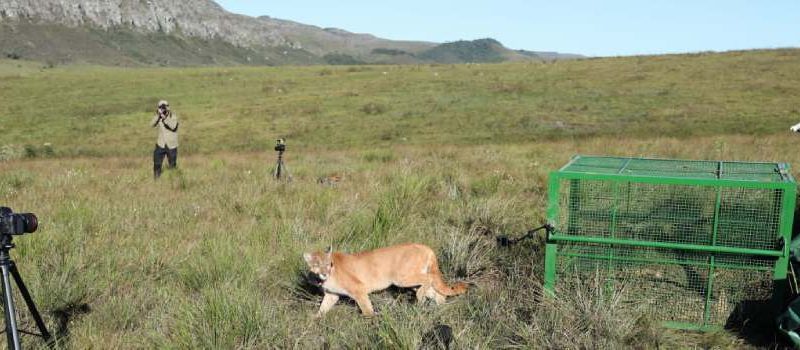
(780, 253)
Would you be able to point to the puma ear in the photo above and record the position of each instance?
(330, 249)
(307, 257)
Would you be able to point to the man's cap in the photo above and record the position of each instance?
(163, 103)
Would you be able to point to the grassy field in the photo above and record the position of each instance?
(90, 111)
(210, 255)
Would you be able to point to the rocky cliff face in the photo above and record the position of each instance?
(195, 18)
(197, 31)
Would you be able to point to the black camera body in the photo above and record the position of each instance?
(17, 223)
(280, 145)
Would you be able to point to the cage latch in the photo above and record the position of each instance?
(504, 241)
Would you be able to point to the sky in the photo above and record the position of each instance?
(592, 28)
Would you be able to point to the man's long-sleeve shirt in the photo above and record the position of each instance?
(167, 130)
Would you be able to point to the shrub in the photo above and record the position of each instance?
(380, 156)
(374, 108)
(341, 59)
(390, 52)
(30, 151)
(10, 152)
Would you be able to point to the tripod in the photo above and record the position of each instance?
(9, 268)
(280, 168)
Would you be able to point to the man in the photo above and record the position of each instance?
(167, 143)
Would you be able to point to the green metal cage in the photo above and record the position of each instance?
(698, 239)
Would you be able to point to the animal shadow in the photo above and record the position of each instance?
(306, 286)
(439, 337)
(753, 321)
(401, 294)
(66, 314)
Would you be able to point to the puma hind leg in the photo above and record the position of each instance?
(422, 293)
(422, 281)
(427, 291)
(436, 296)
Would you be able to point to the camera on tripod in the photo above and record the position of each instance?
(280, 167)
(13, 224)
(17, 224)
(280, 145)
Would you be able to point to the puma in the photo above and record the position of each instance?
(357, 275)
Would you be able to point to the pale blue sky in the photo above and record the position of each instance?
(594, 28)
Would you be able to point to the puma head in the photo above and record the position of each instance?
(320, 264)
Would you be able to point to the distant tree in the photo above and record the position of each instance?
(391, 52)
(341, 59)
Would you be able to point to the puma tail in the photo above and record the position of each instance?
(441, 287)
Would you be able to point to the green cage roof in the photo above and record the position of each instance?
(691, 169)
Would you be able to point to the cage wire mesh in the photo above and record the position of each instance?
(692, 287)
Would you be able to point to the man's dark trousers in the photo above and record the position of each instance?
(158, 158)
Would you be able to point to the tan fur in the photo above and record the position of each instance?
(357, 275)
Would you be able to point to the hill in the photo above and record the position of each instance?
(176, 33)
(482, 50)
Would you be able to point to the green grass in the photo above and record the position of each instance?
(210, 255)
(92, 111)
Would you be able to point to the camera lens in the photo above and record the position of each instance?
(29, 222)
(17, 224)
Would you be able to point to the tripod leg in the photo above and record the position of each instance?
(28, 300)
(8, 306)
(286, 172)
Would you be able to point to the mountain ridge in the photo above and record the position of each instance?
(29, 29)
